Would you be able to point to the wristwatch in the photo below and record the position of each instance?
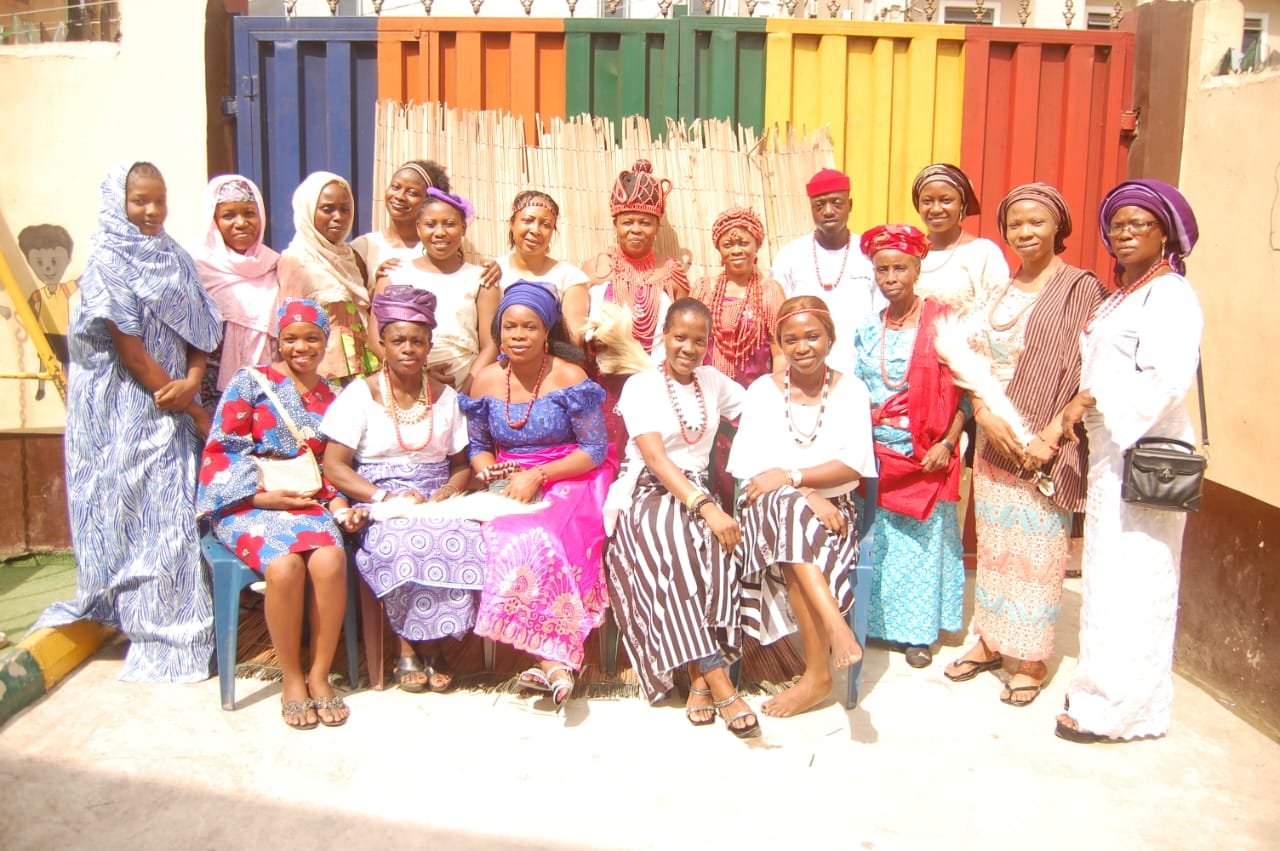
(794, 477)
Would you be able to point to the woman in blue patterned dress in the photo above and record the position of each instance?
(140, 335)
(288, 536)
(917, 589)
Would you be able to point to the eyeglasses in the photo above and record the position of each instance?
(1135, 228)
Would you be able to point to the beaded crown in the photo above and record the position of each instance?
(637, 191)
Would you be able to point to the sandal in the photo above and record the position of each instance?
(1010, 692)
(533, 680)
(330, 704)
(707, 708)
(408, 665)
(975, 668)
(438, 670)
(748, 731)
(919, 656)
(1072, 733)
(292, 708)
(560, 688)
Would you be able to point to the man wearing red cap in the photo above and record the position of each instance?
(829, 264)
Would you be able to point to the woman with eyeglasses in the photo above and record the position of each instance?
(1029, 331)
(1139, 352)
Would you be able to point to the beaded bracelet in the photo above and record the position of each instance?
(698, 505)
(543, 478)
(694, 497)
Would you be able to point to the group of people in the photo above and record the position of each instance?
(689, 453)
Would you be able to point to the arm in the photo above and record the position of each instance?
(138, 362)
(179, 393)
(486, 308)
(940, 454)
(576, 303)
(829, 474)
(722, 525)
(459, 477)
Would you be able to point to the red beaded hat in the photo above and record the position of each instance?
(636, 191)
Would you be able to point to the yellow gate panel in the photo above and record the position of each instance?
(892, 96)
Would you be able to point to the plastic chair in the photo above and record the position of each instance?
(230, 576)
(862, 585)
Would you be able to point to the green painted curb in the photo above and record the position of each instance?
(21, 681)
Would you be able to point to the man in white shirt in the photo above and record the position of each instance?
(828, 264)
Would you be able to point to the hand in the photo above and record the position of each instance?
(387, 267)
(523, 486)
(763, 483)
(283, 500)
(491, 275)
(441, 372)
(445, 491)
(354, 520)
(176, 395)
(1074, 413)
(201, 418)
(831, 517)
(937, 458)
(1001, 435)
(408, 496)
(1039, 453)
(725, 528)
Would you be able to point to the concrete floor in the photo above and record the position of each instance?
(921, 763)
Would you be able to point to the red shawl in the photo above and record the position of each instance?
(929, 401)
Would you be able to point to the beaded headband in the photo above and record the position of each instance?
(535, 202)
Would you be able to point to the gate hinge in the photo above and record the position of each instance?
(249, 86)
(1129, 120)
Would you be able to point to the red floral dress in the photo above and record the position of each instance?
(247, 425)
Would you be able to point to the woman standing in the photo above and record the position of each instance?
(961, 268)
(288, 536)
(139, 338)
(918, 587)
(675, 593)
(1029, 331)
(400, 434)
(804, 444)
(398, 243)
(1139, 351)
(320, 265)
(462, 342)
(534, 216)
(537, 432)
(239, 273)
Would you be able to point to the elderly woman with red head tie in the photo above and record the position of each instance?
(1139, 353)
(918, 587)
(961, 267)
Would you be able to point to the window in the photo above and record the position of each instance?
(1253, 44)
(966, 14)
(1099, 18)
(34, 21)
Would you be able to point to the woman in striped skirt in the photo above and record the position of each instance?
(803, 445)
(672, 581)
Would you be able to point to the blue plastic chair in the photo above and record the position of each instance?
(862, 586)
(230, 575)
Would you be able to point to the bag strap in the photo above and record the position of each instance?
(281, 409)
(1204, 417)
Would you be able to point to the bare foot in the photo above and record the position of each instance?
(801, 697)
(320, 689)
(844, 647)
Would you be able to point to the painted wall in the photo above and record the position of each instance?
(87, 106)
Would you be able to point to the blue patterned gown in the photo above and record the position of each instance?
(131, 468)
(917, 588)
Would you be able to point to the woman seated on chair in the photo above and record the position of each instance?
(537, 432)
(803, 445)
(672, 576)
(399, 434)
(269, 414)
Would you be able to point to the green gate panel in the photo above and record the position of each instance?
(616, 68)
(722, 69)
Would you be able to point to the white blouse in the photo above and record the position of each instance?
(963, 275)
(562, 275)
(764, 441)
(355, 420)
(456, 338)
(374, 250)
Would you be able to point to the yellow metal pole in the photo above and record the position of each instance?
(52, 369)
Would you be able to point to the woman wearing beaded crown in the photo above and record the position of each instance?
(918, 586)
(744, 309)
(1139, 353)
(537, 432)
(962, 268)
(1028, 331)
(803, 445)
(400, 434)
(673, 582)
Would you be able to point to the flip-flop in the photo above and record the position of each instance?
(975, 668)
(298, 707)
(533, 680)
(1010, 691)
(1082, 737)
(330, 704)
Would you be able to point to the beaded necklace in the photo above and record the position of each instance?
(801, 438)
(420, 410)
(1116, 298)
(506, 411)
(686, 427)
(896, 325)
(738, 327)
(634, 286)
(817, 270)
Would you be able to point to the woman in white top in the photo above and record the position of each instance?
(673, 580)
(960, 267)
(803, 445)
(401, 434)
(533, 221)
(462, 342)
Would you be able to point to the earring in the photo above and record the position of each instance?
(546, 345)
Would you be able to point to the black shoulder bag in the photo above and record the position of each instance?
(1164, 473)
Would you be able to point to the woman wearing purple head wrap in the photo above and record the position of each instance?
(1139, 353)
(400, 434)
(537, 431)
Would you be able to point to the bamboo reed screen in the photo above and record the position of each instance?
(711, 168)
